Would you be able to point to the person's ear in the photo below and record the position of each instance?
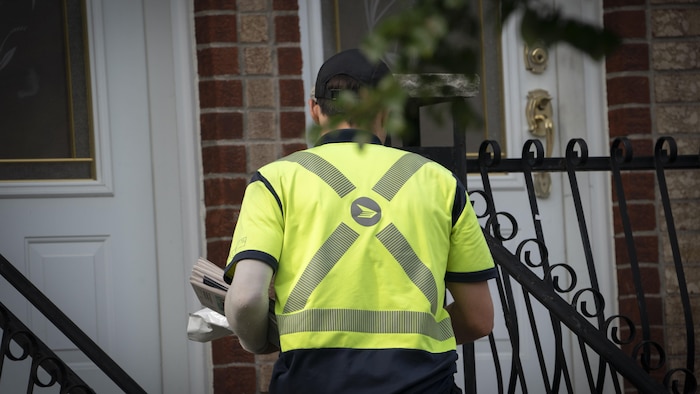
(315, 111)
(379, 123)
(383, 116)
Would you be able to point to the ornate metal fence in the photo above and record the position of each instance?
(579, 333)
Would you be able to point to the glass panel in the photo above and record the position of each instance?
(45, 129)
(358, 18)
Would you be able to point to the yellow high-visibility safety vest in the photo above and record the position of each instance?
(361, 238)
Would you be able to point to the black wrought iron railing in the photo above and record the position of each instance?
(560, 311)
(19, 343)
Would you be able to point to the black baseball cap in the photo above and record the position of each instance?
(354, 64)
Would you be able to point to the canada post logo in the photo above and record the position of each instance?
(365, 211)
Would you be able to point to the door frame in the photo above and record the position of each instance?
(177, 187)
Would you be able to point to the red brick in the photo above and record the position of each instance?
(217, 93)
(214, 5)
(646, 248)
(293, 124)
(630, 308)
(288, 149)
(622, 3)
(639, 185)
(215, 28)
(627, 121)
(285, 5)
(217, 61)
(287, 28)
(628, 57)
(221, 191)
(292, 93)
(228, 350)
(642, 217)
(221, 125)
(628, 90)
(626, 24)
(621, 253)
(235, 380)
(636, 186)
(289, 61)
(224, 159)
(221, 222)
(648, 277)
(643, 147)
(217, 252)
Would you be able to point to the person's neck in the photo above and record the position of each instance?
(328, 127)
(378, 131)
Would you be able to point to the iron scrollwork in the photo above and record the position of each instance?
(631, 333)
(44, 362)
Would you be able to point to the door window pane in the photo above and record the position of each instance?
(346, 22)
(45, 128)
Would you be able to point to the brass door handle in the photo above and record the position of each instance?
(539, 115)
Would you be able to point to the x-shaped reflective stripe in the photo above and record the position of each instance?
(323, 261)
(324, 170)
(342, 238)
(399, 173)
(420, 275)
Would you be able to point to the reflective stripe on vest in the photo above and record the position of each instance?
(323, 261)
(398, 174)
(420, 275)
(372, 322)
(324, 170)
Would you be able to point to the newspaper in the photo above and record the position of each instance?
(207, 280)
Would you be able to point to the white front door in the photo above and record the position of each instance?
(113, 253)
(575, 85)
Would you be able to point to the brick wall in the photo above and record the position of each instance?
(251, 112)
(653, 84)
